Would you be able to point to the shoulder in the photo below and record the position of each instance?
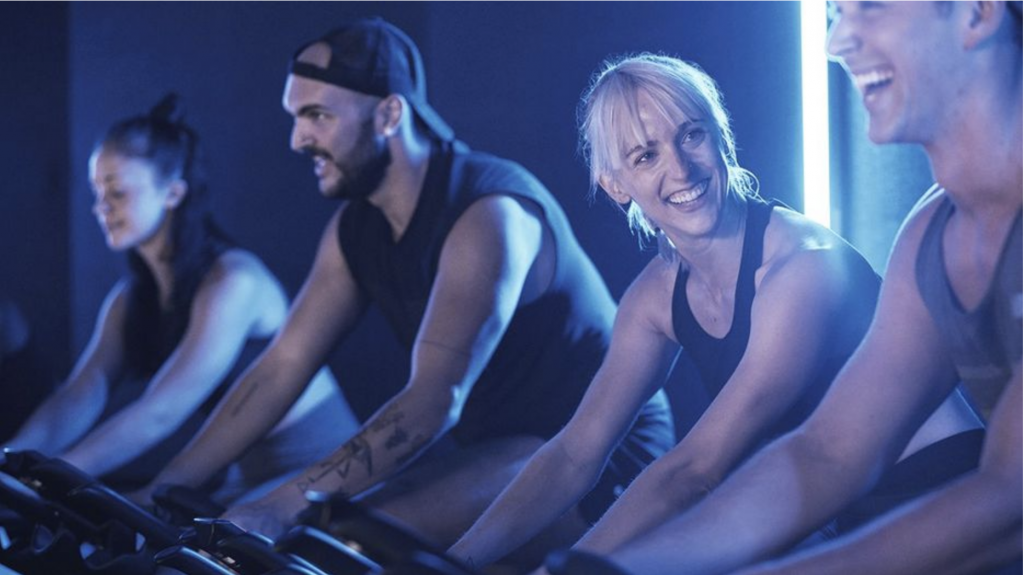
(238, 263)
(489, 173)
(651, 292)
(498, 227)
(116, 300)
(917, 221)
(240, 273)
(801, 252)
(494, 214)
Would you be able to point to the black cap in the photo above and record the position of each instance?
(374, 57)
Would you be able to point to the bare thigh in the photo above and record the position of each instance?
(449, 487)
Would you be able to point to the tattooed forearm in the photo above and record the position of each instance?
(389, 417)
(418, 443)
(397, 438)
(353, 464)
(357, 454)
(237, 409)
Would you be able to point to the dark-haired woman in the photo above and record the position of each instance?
(171, 337)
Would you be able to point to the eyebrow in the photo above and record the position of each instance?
(639, 148)
(310, 108)
(650, 143)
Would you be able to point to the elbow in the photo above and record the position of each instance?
(450, 414)
(437, 413)
(680, 482)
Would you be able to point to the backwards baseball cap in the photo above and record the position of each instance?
(374, 57)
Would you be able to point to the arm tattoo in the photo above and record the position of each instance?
(390, 419)
(359, 454)
(357, 451)
(418, 443)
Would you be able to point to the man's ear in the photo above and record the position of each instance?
(984, 19)
(610, 187)
(176, 192)
(388, 114)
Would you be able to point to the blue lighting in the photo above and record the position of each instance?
(814, 74)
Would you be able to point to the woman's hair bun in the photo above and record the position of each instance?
(168, 109)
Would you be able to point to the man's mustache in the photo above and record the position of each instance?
(313, 151)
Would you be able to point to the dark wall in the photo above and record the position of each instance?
(34, 162)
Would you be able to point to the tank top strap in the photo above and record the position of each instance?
(717, 358)
(929, 265)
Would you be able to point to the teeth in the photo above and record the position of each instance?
(873, 78)
(689, 195)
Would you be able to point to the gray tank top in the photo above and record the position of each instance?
(984, 342)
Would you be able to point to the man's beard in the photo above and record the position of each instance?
(362, 174)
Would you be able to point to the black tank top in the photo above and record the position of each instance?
(137, 375)
(717, 358)
(140, 471)
(552, 347)
(984, 343)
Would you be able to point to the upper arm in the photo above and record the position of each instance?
(793, 315)
(1001, 456)
(226, 310)
(638, 361)
(104, 354)
(482, 270)
(897, 377)
(327, 308)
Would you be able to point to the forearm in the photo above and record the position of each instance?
(397, 434)
(250, 410)
(528, 504)
(653, 498)
(57, 424)
(121, 438)
(1000, 552)
(920, 538)
(779, 496)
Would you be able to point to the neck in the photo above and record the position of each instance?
(977, 159)
(715, 259)
(155, 253)
(162, 274)
(400, 190)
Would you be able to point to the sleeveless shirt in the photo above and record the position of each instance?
(552, 346)
(985, 342)
(717, 358)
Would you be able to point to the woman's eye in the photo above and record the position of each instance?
(643, 158)
(693, 137)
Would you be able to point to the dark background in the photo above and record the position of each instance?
(506, 76)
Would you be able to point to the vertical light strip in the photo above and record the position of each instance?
(814, 93)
